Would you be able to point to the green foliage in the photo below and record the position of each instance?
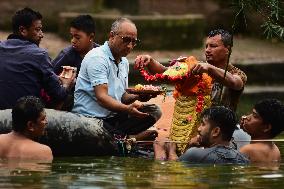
(272, 12)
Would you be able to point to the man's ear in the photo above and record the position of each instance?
(267, 128)
(228, 49)
(30, 126)
(92, 36)
(215, 131)
(23, 31)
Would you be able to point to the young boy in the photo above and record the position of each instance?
(264, 123)
(82, 31)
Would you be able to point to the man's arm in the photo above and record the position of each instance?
(193, 155)
(106, 101)
(232, 81)
(153, 66)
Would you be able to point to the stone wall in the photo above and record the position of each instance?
(217, 13)
(155, 32)
(50, 10)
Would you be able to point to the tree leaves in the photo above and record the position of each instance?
(272, 12)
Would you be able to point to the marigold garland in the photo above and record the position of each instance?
(186, 84)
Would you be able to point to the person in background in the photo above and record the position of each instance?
(28, 123)
(82, 31)
(25, 69)
(100, 90)
(212, 144)
(264, 123)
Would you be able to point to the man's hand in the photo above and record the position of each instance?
(68, 83)
(133, 110)
(142, 61)
(200, 68)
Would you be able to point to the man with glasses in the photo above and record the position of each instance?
(101, 83)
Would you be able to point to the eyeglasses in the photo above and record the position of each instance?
(127, 40)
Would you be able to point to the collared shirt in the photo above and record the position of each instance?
(68, 57)
(24, 70)
(99, 67)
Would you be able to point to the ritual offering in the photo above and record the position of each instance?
(192, 94)
(68, 71)
(146, 89)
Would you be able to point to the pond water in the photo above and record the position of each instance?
(126, 172)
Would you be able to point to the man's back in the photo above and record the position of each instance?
(216, 154)
(16, 146)
(262, 152)
(24, 70)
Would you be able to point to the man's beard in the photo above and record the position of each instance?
(205, 140)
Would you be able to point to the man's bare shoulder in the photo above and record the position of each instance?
(35, 150)
(261, 152)
(248, 148)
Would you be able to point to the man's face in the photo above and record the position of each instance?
(204, 131)
(34, 32)
(252, 123)
(40, 124)
(124, 40)
(80, 40)
(215, 51)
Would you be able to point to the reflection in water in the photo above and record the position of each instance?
(121, 172)
(23, 174)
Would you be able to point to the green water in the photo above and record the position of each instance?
(122, 172)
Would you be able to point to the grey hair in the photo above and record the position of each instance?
(116, 24)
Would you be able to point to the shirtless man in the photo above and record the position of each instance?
(264, 123)
(28, 122)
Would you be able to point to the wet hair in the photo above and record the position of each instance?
(116, 24)
(26, 109)
(84, 23)
(226, 36)
(222, 117)
(272, 112)
(24, 17)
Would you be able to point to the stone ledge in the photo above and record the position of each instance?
(155, 32)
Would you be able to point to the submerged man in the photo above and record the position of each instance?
(264, 123)
(212, 144)
(101, 83)
(28, 122)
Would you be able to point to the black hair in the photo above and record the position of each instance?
(24, 17)
(226, 36)
(222, 117)
(272, 112)
(84, 23)
(26, 109)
